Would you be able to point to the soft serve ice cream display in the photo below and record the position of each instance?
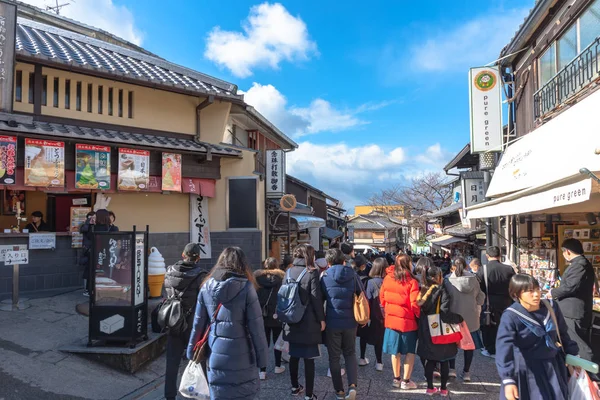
(156, 272)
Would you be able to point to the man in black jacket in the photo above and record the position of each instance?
(575, 296)
(496, 288)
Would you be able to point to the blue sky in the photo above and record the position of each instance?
(375, 93)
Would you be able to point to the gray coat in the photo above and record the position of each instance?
(466, 298)
(237, 338)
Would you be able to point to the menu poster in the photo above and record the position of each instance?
(134, 168)
(92, 167)
(44, 163)
(171, 172)
(112, 258)
(78, 217)
(8, 160)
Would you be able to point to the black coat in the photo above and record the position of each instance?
(308, 330)
(269, 282)
(575, 295)
(428, 300)
(498, 280)
(180, 275)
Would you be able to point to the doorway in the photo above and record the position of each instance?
(59, 209)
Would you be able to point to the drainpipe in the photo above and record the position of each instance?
(207, 102)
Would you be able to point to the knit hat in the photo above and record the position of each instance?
(573, 245)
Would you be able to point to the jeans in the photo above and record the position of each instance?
(444, 371)
(176, 346)
(342, 342)
(309, 374)
(274, 332)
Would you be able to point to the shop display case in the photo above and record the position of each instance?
(118, 296)
(537, 257)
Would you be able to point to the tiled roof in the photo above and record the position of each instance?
(460, 231)
(64, 47)
(445, 211)
(366, 225)
(61, 131)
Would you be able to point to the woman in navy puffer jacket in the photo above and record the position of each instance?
(237, 339)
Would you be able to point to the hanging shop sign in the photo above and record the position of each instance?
(44, 163)
(486, 109)
(199, 224)
(275, 180)
(134, 168)
(474, 192)
(8, 24)
(171, 172)
(429, 228)
(8, 160)
(92, 167)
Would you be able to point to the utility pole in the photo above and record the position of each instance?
(56, 8)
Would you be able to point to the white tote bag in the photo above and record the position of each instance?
(193, 382)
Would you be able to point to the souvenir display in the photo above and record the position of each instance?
(537, 257)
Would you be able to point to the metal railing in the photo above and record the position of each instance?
(576, 75)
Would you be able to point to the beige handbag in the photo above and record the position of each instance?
(362, 313)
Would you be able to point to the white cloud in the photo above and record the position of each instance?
(319, 116)
(474, 42)
(103, 14)
(270, 35)
(354, 174)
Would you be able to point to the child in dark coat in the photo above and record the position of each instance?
(433, 293)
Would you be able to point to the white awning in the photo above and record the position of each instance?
(554, 151)
(553, 197)
(446, 240)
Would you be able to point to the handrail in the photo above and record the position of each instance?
(582, 70)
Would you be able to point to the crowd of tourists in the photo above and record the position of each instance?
(495, 309)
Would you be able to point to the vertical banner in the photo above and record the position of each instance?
(8, 25)
(140, 263)
(92, 167)
(486, 109)
(44, 163)
(275, 173)
(171, 172)
(134, 168)
(8, 160)
(199, 225)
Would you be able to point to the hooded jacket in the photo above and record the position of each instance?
(308, 330)
(181, 274)
(269, 282)
(428, 300)
(237, 338)
(466, 298)
(338, 285)
(399, 300)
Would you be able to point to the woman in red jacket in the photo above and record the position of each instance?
(398, 297)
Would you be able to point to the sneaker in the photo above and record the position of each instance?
(486, 353)
(279, 370)
(444, 392)
(86, 293)
(410, 385)
(437, 375)
(351, 394)
(466, 376)
(452, 373)
(397, 382)
(329, 372)
(262, 375)
(297, 391)
(431, 392)
(379, 367)
(363, 362)
(340, 396)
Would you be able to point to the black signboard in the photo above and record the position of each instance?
(119, 283)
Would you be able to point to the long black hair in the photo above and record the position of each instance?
(459, 266)
(430, 276)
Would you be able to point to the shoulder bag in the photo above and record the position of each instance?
(487, 312)
(361, 305)
(202, 349)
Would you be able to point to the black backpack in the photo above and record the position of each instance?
(171, 316)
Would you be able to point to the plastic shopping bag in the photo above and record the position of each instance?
(466, 343)
(281, 344)
(581, 387)
(193, 382)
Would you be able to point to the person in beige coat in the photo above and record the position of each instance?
(466, 299)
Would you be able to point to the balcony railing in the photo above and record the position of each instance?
(569, 80)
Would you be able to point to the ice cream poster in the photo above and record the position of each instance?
(8, 160)
(134, 168)
(44, 163)
(171, 172)
(92, 167)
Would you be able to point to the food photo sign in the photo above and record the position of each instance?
(171, 172)
(92, 167)
(44, 163)
(8, 160)
(134, 168)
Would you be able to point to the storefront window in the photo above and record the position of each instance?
(589, 25)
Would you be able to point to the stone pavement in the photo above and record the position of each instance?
(33, 367)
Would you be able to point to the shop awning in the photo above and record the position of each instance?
(332, 233)
(204, 187)
(555, 151)
(549, 198)
(308, 221)
(446, 240)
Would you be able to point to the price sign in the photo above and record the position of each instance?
(39, 241)
(16, 257)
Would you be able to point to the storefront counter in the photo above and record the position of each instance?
(47, 269)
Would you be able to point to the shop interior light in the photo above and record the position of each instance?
(591, 218)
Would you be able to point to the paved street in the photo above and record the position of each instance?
(33, 367)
